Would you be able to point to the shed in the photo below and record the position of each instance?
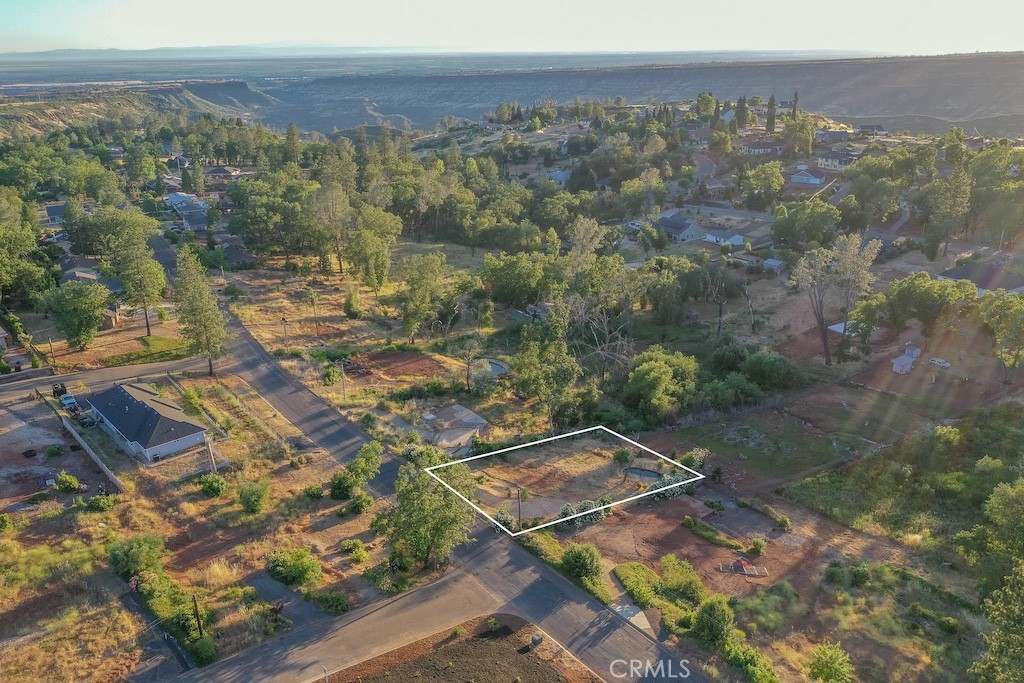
(774, 264)
(912, 351)
(902, 365)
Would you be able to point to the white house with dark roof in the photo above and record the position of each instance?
(807, 177)
(145, 425)
(837, 160)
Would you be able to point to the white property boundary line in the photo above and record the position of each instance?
(430, 470)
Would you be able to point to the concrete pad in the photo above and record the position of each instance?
(634, 615)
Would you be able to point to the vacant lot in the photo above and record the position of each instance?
(548, 476)
(478, 650)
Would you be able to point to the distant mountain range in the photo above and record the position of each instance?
(324, 92)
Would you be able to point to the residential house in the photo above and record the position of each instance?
(988, 276)
(560, 177)
(728, 116)
(700, 136)
(769, 147)
(51, 215)
(831, 137)
(871, 129)
(454, 426)
(774, 265)
(188, 207)
(725, 237)
(807, 177)
(222, 173)
(145, 425)
(836, 160)
(679, 228)
(714, 187)
(116, 152)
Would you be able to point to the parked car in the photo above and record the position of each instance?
(941, 363)
(68, 401)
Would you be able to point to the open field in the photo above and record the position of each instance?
(123, 345)
(478, 650)
(544, 478)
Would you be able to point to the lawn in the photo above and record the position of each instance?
(156, 350)
(771, 444)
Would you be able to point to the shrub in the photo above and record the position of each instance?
(342, 485)
(639, 582)
(332, 375)
(622, 456)
(329, 600)
(53, 451)
(836, 573)
(193, 399)
(493, 624)
(757, 547)
(203, 651)
(713, 622)
(67, 482)
(361, 502)
(949, 625)
(351, 544)
(212, 484)
(368, 420)
(5, 521)
(359, 556)
(785, 523)
(38, 497)
(136, 554)
(458, 632)
(680, 580)
(829, 663)
(253, 495)
(860, 575)
(582, 561)
(294, 567)
(233, 291)
(398, 561)
(351, 306)
(101, 503)
(314, 491)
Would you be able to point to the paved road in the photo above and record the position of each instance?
(597, 636)
(301, 654)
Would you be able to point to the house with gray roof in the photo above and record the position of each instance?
(679, 228)
(145, 425)
(989, 276)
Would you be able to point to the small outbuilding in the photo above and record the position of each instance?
(902, 365)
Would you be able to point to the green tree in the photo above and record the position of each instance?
(798, 225)
(544, 369)
(371, 257)
(142, 277)
(426, 281)
(200, 319)
(829, 663)
(582, 561)
(661, 383)
(705, 104)
(720, 144)
(77, 309)
(367, 462)
(1003, 659)
(763, 184)
(813, 274)
(139, 163)
(1003, 314)
(713, 623)
(769, 122)
(429, 521)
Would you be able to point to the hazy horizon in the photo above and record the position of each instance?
(530, 27)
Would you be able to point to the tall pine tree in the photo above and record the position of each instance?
(769, 123)
(202, 322)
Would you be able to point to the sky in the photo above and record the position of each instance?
(883, 26)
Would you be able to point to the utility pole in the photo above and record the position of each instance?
(344, 382)
(519, 497)
(53, 356)
(285, 321)
(199, 622)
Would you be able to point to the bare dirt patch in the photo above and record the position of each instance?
(473, 652)
(550, 475)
